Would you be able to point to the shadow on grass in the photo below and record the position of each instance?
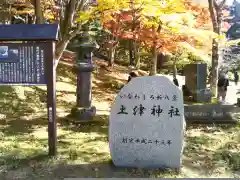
(230, 154)
(102, 170)
(79, 143)
(12, 106)
(85, 143)
(21, 126)
(103, 80)
(108, 170)
(60, 103)
(197, 157)
(209, 128)
(98, 125)
(215, 146)
(21, 115)
(15, 163)
(60, 168)
(105, 85)
(66, 71)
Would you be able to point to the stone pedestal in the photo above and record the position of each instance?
(84, 109)
(211, 113)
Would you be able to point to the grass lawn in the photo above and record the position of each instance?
(210, 151)
(213, 101)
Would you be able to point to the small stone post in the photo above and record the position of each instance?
(84, 111)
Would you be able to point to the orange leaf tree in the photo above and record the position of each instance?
(159, 25)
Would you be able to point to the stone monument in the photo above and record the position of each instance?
(147, 125)
(195, 81)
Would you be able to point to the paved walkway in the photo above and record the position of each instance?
(232, 93)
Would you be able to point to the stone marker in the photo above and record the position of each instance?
(147, 124)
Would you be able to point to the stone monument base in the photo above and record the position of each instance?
(212, 113)
(81, 114)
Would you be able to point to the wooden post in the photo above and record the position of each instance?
(51, 98)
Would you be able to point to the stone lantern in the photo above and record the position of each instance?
(84, 46)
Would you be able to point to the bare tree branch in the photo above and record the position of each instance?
(219, 5)
(75, 32)
(81, 4)
(71, 12)
(79, 7)
(68, 17)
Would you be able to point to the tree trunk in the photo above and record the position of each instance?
(214, 70)
(111, 56)
(153, 69)
(113, 42)
(38, 12)
(131, 54)
(136, 49)
(175, 68)
(66, 21)
(215, 10)
(60, 47)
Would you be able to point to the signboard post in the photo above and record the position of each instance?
(27, 57)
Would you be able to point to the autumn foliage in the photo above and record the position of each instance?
(201, 13)
(154, 24)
